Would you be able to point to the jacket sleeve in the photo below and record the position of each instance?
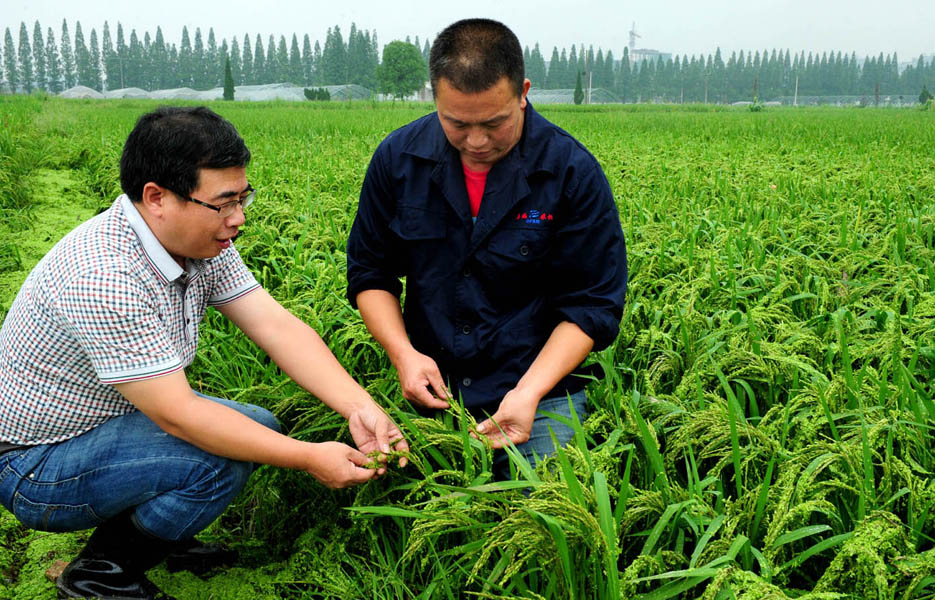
(590, 259)
(370, 256)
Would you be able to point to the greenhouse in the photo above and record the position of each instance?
(567, 96)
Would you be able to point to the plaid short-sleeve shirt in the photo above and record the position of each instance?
(106, 305)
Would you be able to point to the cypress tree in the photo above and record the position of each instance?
(282, 60)
(334, 58)
(579, 93)
(307, 67)
(53, 65)
(561, 71)
(296, 74)
(199, 66)
(609, 70)
(236, 65)
(111, 63)
(551, 77)
(249, 77)
(259, 62)
(317, 76)
(25, 59)
(535, 70)
(94, 56)
(623, 75)
(82, 57)
(123, 56)
(133, 69)
(161, 74)
(147, 75)
(355, 57)
(38, 57)
(186, 64)
(272, 62)
(68, 58)
(172, 68)
(228, 80)
(9, 61)
(211, 60)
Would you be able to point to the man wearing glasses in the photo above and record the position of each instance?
(98, 424)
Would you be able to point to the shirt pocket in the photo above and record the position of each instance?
(414, 223)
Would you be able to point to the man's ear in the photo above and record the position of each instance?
(154, 198)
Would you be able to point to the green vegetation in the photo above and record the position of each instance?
(763, 427)
(402, 71)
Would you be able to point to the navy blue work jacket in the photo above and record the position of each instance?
(483, 297)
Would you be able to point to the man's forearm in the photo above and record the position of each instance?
(213, 427)
(565, 349)
(298, 350)
(300, 347)
(383, 317)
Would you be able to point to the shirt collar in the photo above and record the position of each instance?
(157, 256)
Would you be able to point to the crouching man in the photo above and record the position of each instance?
(98, 425)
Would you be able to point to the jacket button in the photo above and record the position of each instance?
(524, 249)
(466, 329)
(466, 382)
(466, 272)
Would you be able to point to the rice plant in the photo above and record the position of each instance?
(763, 425)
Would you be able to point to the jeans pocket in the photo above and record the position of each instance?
(54, 517)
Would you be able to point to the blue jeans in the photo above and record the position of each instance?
(540, 441)
(128, 461)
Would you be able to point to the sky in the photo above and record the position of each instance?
(867, 27)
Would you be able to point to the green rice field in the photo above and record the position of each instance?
(763, 428)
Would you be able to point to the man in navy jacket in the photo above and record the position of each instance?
(506, 231)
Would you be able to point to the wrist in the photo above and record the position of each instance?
(357, 403)
(307, 458)
(529, 387)
(398, 352)
(526, 396)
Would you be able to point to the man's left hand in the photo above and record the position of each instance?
(513, 419)
(373, 430)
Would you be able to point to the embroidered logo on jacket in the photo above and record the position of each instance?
(533, 216)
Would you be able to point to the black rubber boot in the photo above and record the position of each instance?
(113, 563)
(199, 558)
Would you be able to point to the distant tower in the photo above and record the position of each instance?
(633, 36)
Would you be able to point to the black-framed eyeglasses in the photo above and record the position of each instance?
(227, 209)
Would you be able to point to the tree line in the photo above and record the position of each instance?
(151, 63)
(743, 76)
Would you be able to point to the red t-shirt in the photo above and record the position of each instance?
(475, 180)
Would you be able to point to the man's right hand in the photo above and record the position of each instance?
(337, 465)
(421, 381)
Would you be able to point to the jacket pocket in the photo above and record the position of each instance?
(513, 266)
(520, 244)
(416, 223)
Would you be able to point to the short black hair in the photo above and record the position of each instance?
(474, 54)
(170, 144)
